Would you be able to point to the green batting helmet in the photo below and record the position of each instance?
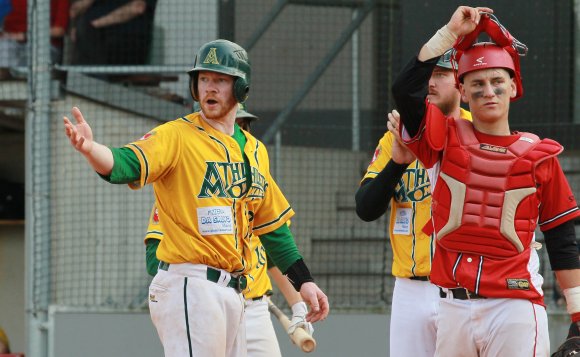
(445, 60)
(243, 113)
(225, 57)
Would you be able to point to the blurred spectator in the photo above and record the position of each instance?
(113, 32)
(5, 8)
(4, 345)
(13, 35)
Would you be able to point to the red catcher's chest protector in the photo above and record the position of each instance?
(485, 201)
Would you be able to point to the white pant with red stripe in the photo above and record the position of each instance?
(194, 316)
(492, 328)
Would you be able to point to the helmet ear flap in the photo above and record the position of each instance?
(193, 86)
(193, 82)
(241, 89)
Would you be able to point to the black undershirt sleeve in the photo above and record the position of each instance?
(410, 90)
(562, 247)
(373, 196)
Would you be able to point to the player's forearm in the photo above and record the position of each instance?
(561, 246)
(79, 7)
(100, 158)
(568, 278)
(122, 14)
(410, 90)
(373, 196)
(441, 41)
(290, 294)
(281, 248)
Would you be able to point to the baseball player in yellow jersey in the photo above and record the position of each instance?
(395, 176)
(214, 194)
(261, 338)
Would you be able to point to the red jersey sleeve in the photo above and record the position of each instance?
(558, 204)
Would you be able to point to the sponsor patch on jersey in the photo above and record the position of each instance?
(152, 298)
(403, 221)
(376, 154)
(518, 284)
(147, 136)
(493, 148)
(215, 220)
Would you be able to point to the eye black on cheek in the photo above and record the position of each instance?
(478, 94)
(499, 91)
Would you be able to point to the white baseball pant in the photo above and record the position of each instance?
(260, 335)
(492, 328)
(194, 316)
(413, 329)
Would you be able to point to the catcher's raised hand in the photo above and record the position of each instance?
(79, 134)
(465, 19)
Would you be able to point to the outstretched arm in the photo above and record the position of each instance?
(80, 135)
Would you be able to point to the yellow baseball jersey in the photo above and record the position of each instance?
(208, 208)
(258, 280)
(410, 211)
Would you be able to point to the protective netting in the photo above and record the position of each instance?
(322, 72)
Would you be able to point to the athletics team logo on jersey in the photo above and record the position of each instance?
(228, 180)
(413, 186)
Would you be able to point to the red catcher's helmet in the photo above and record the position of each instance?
(503, 52)
(484, 55)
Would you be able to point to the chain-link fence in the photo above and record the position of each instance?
(321, 74)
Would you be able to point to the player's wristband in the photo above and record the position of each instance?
(439, 43)
(298, 274)
(572, 296)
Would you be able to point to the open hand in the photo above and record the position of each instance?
(79, 134)
(465, 19)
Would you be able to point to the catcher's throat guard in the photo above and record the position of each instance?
(504, 52)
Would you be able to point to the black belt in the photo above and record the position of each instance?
(237, 282)
(461, 294)
(420, 278)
